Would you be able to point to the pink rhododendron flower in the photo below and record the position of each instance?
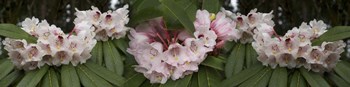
(162, 54)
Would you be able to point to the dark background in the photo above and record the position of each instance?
(287, 13)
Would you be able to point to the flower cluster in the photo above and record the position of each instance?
(244, 25)
(294, 49)
(163, 54)
(53, 47)
(107, 24)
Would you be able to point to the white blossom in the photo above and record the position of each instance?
(294, 49)
(244, 26)
(105, 25)
(53, 47)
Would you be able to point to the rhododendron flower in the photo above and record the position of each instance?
(161, 54)
(243, 27)
(202, 20)
(317, 28)
(30, 25)
(197, 49)
(214, 26)
(208, 37)
(53, 47)
(105, 25)
(33, 53)
(295, 50)
(14, 45)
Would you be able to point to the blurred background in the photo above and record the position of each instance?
(287, 13)
(58, 12)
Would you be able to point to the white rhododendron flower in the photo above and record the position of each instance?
(243, 26)
(105, 25)
(162, 54)
(294, 49)
(30, 25)
(53, 47)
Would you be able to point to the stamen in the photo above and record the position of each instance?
(315, 30)
(71, 32)
(167, 35)
(175, 37)
(212, 17)
(162, 40)
(274, 32)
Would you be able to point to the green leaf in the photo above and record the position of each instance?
(12, 31)
(190, 7)
(140, 5)
(112, 58)
(145, 14)
(208, 77)
(2, 60)
(251, 55)
(237, 79)
(129, 61)
(4, 55)
(105, 74)
(337, 30)
(179, 13)
(134, 81)
(69, 76)
(32, 78)
(213, 6)
(314, 79)
(228, 46)
(9, 79)
(121, 44)
(170, 21)
(147, 83)
(6, 67)
(194, 80)
(279, 77)
(129, 71)
(90, 79)
(333, 34)
(97, 53)
(58, 74)
(343, 71)
(50, 79)
(260, 79)
(264, 81)
(297, 80)
(337, 80)
(214, 62)
(183, 82)
(235, 61)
